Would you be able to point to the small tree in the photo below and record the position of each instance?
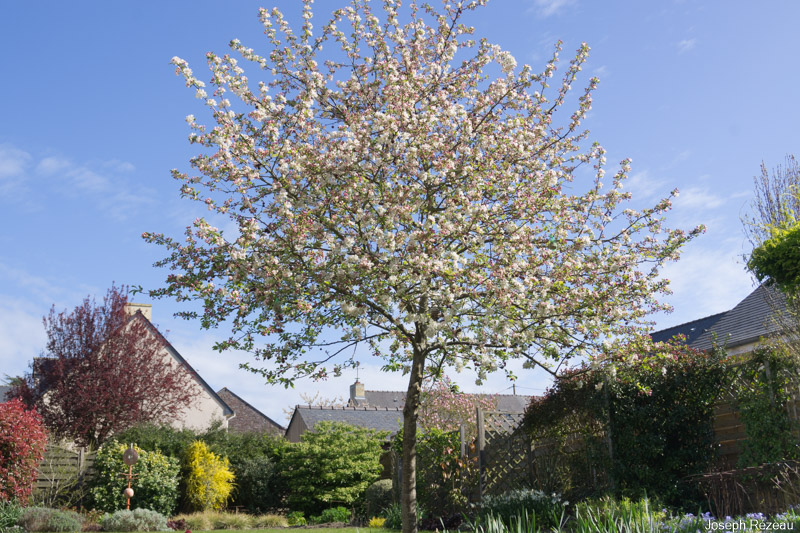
(416, 192)
(22, 443)
(104, 371)
(332, 464)
(209, 480)
(444, 407)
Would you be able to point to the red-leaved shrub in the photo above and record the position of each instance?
(22, 443)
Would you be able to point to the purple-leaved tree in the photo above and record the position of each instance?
(415, 191)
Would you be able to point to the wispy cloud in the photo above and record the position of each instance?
(706, 280)
(686, 45)
(546, 8)
(13, 161)
(104, 183)
(601, 71)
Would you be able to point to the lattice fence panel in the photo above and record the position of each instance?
(506, 453)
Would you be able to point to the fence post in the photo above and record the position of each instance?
(481, 453)
(462, 439)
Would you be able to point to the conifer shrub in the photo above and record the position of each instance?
(378, 497)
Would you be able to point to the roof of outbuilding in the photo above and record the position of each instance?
(754, 317)
(3, 391)
(382, 419)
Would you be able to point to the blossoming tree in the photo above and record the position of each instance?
(415, 192)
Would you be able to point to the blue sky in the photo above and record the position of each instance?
(697, 93)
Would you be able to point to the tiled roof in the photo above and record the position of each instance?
(388, 419)
(247, 419)
(751, 319)
(691, 330)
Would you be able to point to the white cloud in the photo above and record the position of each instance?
(13, 161)
(101, 184)
(52, 165)
(88, 180)
(21, 335)
(601, 71)
(546, 8)
(686, 45)
(705, 281)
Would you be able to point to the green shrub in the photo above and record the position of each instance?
(44, 519)
(378, 497)
(167, 440)
(444, 478)
(334, 462)
(10, 512)
(394, 516)
(209, 480)
(253, 458)
(545, 509)
(155, 485)
(658, 413)
(296, 518)
(333, 514)
(260, 487)
(136, 520)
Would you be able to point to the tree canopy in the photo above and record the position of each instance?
(415, 191)
(103, 371)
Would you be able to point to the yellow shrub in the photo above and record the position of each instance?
(209, 482)
(377, 521)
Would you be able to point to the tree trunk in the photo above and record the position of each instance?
(408, 485)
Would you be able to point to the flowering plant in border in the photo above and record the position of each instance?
(416, 192)
(22, 443)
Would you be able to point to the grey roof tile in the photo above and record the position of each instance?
(751, 319)
(382, 419)
(691, 330)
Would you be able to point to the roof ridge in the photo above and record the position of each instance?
(349, 408)
(692, 321)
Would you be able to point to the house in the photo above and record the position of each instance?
(248, 419)
(381, 410)
(740, 329)
(208, 409)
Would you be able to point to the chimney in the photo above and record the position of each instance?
(146, 309)
(357, 397)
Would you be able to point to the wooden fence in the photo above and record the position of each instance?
(510, 459)
(63, 475)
